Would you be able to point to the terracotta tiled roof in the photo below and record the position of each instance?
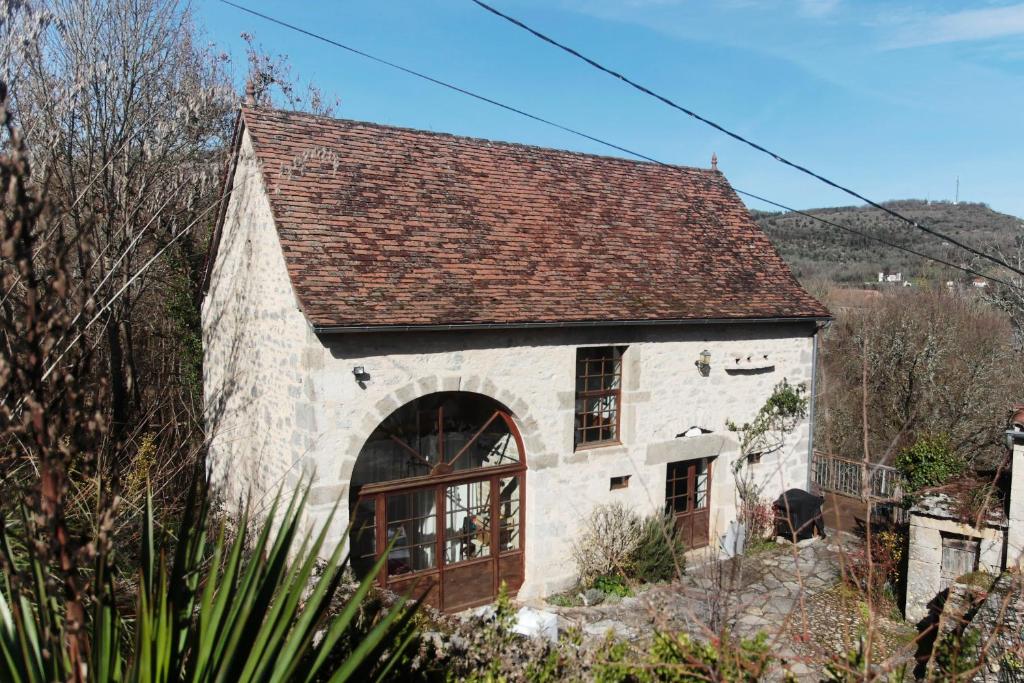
(385, 226)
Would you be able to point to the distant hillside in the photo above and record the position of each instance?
(817, 251)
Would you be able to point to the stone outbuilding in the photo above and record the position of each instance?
(468, 345)
(942, 546)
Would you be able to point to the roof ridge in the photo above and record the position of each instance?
(714, 173)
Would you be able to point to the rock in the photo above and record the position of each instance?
(592, 596)
(537, 623)
(601, 628)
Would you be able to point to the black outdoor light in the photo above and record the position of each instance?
(361, 375)
(703, 363)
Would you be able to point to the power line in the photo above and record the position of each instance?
(848, 229)
(736, 136)
(592, 138)
(417, 74)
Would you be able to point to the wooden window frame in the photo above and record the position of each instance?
(580, 426)
(442, 584)
(619, 483)
(687, 471)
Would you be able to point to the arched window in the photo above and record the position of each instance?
(438, 434)
(442, 479)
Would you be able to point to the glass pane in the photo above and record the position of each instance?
(412, 525)
(613, 375)
(364, 536)
(404, 445)
(508, 513)
(467, 521)
(677, 481)
(493, 447)
(408, 443)
(702, 485)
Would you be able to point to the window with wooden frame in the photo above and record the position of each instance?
(598, 395)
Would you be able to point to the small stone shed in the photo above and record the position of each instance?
(468, 345)
(943, 547)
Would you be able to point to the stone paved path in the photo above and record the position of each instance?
(791, 593)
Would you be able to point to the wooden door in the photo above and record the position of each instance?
(468, 571)
(687, 492)
(959, 557)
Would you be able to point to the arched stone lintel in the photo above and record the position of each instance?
(526, 424)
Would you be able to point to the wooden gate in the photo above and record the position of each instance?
(687, 484)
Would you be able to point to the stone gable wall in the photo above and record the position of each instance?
(254, 338)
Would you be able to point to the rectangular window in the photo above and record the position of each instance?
(619, 482)
(677, 487)
(598, 395)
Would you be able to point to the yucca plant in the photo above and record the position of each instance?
(248, 609)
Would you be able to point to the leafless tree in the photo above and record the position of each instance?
(51, 423)
(934, 363)
(1011, 299)
(126, 117)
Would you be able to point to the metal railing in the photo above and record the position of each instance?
(839, 475)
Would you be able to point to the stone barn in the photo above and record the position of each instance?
(468, 345)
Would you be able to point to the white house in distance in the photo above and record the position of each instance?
(471, 344)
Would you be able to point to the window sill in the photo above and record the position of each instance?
(596, 445)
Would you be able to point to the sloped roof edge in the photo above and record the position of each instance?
(394, 228)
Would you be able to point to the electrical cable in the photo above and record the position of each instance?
(592, 138)
(736, 136)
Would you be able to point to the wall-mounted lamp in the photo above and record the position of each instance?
(703, 363)
(361, 375)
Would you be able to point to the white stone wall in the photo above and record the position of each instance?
(1015, 532)
(281, 401)
(924, 558)
(532, 373)
(254, 339)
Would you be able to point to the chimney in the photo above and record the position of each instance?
(714, 161)
(250, 93)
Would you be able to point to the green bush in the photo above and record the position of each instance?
(678, 657)
(931, 461)
(956, 654)
(612, 584)
(659, 554)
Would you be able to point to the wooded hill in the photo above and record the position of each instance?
(818, 251)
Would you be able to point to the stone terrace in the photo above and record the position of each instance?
(792, 593)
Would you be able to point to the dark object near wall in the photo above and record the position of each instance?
(798, 514)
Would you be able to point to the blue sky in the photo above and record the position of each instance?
(895, 99)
